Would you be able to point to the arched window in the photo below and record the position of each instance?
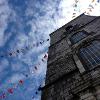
(78, 37)
(90, 54)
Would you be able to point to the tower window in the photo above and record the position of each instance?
(90, 55)
(78, 37)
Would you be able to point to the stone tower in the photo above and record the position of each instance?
(73, 68)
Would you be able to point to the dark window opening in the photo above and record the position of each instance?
(78, 37)
(90, 55)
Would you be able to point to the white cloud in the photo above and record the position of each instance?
(4, 14)
(3, 64)
(16, 66)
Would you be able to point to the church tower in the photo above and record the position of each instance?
(73, 68)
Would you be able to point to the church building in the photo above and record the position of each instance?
(73, 67)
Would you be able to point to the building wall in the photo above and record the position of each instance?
(81, 20)
(59, 68)
(67, 78)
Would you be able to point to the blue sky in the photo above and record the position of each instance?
(25, 26)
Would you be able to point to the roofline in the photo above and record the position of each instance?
(70, 22)
(67, 23)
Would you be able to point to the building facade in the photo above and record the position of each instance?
(73, 68)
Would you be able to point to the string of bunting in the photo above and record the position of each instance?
(91, 6)
(75, 6)
(23, 50)
(89, 9)
(21, 82)
(11, 90)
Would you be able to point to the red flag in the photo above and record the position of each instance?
(10, 90)
(21, 81)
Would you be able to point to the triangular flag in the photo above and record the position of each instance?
(10, 90)
(21, 81)
(45, 56)
(35, 67)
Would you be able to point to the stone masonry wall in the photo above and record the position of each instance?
(63, 80)
(60, 67)
(61, 90)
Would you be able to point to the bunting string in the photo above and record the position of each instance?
(75, 7)
(21, 82)
(10, 91)
(23, 50)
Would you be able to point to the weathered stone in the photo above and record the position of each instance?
(68, 78)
